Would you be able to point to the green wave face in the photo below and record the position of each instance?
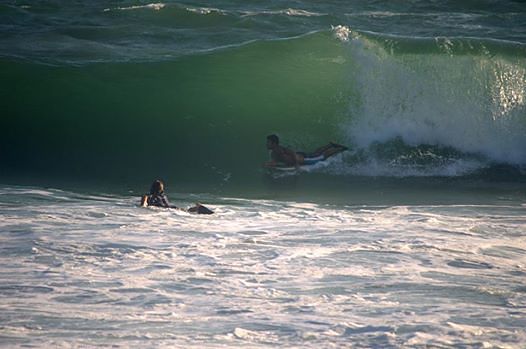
(204, 118)
(199, 118)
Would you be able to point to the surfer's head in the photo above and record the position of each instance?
(272, 141)
(157, 187)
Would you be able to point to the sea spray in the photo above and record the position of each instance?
(472, 102)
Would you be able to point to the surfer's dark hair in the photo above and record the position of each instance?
(273, 139)
(157, 187)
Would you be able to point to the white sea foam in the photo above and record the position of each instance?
(259, 273)
(423, 101)
(205, 10)
(289, 12)
(301, 13)
(154, 6)
(374, 166)
(341, 32)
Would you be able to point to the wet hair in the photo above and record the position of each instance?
(157, 187)
(273, 138)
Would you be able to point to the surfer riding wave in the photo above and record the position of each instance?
(281, 156)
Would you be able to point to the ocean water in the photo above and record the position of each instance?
(96, 271)
(414, 238)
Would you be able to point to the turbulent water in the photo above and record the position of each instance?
(97, 271)
(412, 238)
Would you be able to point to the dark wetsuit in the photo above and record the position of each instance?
(159, 200)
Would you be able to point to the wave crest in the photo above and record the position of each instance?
(154, 6)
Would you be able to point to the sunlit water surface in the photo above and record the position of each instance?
(87, 270)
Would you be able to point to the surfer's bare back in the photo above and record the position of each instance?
(281, 156)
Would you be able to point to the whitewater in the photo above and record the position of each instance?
(413, 238)
(96, 271)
